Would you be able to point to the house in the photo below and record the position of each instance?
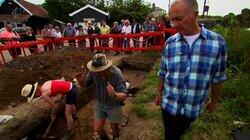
(157, 12)
(18, 12)
(59, 23)
(89, 13)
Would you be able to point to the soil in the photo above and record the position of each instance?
(84, 127)
(67, 62)
(41, 67)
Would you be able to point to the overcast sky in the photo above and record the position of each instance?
(216, 7)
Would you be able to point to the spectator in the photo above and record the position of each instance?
(193, 64)
(46, 35)
(126, 29)
(81, 32)
(91, 31)
(120, 40)
(146, 28)
(153, 28)
(97, 29)
(147, 25)
(161, 28)
(51, 29)
(57, 34)
(115, 30)
(70, 31)
(135, 30)
(121, 25)
(10, 37)
(30, 36)
(104, 30)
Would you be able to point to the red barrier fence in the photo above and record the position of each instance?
(110, 42)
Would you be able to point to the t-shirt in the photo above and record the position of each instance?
(57, 34)
(126, 29)
(7, 34)
(56, 87)
(191, 39)
(69, 32)
(105, 30)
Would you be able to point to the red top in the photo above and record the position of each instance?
(161, 26)
(60, 87)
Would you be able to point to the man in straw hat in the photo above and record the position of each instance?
(110, 87)
(50, 89)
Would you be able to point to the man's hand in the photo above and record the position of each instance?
(80, 79)
(158, 100)
(121, 96)
(111, 90)
(210, 107)
(79, 75)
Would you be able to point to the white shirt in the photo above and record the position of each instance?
(126, 29)
(83, 32)
(191, 39)
(57, 34)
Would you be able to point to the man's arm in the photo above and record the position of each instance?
(121, 96)
(159, 95)
(215, 95)
(218, 76)
(215, 91)
(160, 86)
(119, 90)
(84, 80)
(80, 79)
(46, 97)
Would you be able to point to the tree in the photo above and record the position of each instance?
(230, 20)
(245, 17)
(118, 9)
(128, 9)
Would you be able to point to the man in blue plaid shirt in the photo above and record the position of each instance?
(193, 60)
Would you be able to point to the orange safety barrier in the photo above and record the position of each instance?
(141, 42)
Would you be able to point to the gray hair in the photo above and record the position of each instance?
(192, 4)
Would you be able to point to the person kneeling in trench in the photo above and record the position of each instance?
(50, 89)
(110, 87)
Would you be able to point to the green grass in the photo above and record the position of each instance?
(234, 101)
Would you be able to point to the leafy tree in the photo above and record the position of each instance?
(118, 9)
(230, 20)
(129, 9)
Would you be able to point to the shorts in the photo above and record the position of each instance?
(113, 113)
(71, 96)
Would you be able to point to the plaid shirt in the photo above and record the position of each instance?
(189, 71)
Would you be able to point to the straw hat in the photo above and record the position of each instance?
(29, 91)
(99, 63)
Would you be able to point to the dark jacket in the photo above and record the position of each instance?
(137, 28)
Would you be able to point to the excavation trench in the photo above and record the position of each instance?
(134, 71)
(31, 119)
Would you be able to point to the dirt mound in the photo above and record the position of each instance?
(40, 67)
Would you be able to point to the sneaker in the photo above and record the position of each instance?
(68, 135)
